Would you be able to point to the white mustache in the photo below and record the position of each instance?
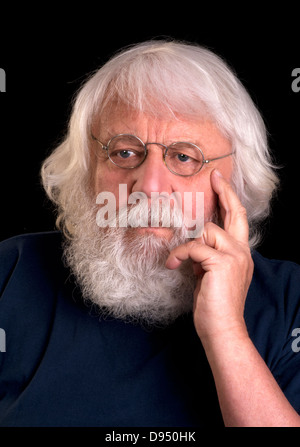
(158, 213)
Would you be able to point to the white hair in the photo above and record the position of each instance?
(166, 77)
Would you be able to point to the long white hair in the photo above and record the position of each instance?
(167, 78)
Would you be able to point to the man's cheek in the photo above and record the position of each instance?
(193, 212)
(210, 204)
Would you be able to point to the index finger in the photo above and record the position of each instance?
(233, 213)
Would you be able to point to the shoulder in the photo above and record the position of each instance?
(274, 268)
(31, 241)
(34, 284)
(19, 245)
(277, 281)
(28, 255)
(273, 303)
(274, 281)
(274, 277)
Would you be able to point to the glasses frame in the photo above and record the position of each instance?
(166, 148)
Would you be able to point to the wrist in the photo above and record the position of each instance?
(225, 341)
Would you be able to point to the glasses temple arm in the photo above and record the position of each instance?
(218, 158)
(98, 141)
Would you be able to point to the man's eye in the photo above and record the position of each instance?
(122, 154)
(125, 154)
(183, 158)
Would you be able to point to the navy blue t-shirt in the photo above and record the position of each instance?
(62, 365)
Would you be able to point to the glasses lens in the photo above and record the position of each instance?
(126, 151)
(184, 158)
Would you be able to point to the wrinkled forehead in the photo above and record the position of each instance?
(118, 117)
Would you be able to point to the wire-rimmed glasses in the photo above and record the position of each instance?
(181, 158)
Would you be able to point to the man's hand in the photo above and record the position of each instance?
(223, 262)
(224, 265)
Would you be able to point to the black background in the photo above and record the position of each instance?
(47, 51)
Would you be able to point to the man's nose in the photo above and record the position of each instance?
(153, 175)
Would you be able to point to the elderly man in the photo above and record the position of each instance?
(150, 306)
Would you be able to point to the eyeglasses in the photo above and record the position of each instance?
(181, 158)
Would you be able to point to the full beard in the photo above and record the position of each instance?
(122, 271)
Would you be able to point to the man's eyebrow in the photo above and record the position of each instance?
(112, 132)
(109, 133)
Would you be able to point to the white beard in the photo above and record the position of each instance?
(123, 272)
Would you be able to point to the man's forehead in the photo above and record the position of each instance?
(123, 119)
